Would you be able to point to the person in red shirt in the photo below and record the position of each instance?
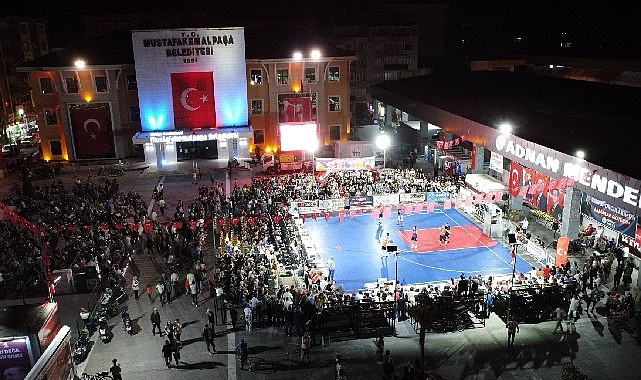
(546, 272)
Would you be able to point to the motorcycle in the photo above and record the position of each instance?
(81, 347)
(103, 329)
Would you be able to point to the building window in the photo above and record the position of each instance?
(333, 74)
(256, 77)
(132, 84)
(46, 87)
(56, 147)
(334, 103)
(257, 106)
(101, 84)
(310, 75)
(282, 76)
(134, 113)
(72, 85)
(334, 132)
(50, 117)
(259, 136)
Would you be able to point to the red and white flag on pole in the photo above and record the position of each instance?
(193, 95)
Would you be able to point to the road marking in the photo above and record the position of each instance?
(231, 362)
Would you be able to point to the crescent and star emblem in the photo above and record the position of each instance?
(185, 94)
(91, 121)
(515, 177)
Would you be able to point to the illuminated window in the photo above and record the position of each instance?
(101, 84)
(132, 83)
(256, 77)
(334, 132)
(134, 113)
(282, 76)
(334, 103)
(259, 136)
(333, 74)
(72, 85)
(310, 75)
(50, 117)
(46, 87)
(257, 106)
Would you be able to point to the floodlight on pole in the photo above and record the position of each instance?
(298, 56)
(80, 63)
(505, 128)
(383, 142)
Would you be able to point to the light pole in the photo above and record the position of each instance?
(312, 147)
(382, 142)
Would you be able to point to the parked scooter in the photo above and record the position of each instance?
(126, 322)
(81, 347)
(103, 329)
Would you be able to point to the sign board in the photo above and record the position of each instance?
(496, 162)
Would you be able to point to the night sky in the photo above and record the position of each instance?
(607, 29)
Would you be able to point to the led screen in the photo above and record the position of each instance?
(298, 137)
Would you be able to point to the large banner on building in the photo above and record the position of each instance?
(296, 110)
(610, 216)
(543, 193)
(516, 177)
(92, 131)
(191, 78)
(193, 96)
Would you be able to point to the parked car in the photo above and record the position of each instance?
(30, 141)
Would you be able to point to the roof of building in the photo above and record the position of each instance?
(562, 114)
(116, 48)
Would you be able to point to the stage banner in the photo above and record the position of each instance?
(561, 256)
(361, 201)
(610, 216)
(356, 163)
(305, 207)
(387, 199)
(516, 176)
(437, 196)
(332, 204)
(92, 132)
(193, 99)
(411, 197)
(296, 110)
(15, 353)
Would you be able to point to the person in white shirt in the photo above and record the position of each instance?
(331, 267)
(525, 223)
(248, 318)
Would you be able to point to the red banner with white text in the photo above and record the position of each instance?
(561, 256)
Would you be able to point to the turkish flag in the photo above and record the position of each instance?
(92, 134)
(516, 174)
(193, 95)
(561, 256)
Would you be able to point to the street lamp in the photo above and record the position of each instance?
(312, 147)
(382, 142)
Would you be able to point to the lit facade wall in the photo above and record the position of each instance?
(182, 60)
(52, 106)
(270, 90)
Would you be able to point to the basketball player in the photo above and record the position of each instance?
(414, 239)
(442, 236)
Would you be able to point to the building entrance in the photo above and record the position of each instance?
(196, 150)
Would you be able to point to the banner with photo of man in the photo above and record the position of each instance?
(610, 216)
(543, 193)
